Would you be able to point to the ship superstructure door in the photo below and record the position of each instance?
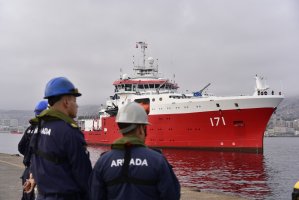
(97, 122)
(81, 124)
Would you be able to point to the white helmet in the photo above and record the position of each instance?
(132, 113)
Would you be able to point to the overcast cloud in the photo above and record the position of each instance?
(223, 42)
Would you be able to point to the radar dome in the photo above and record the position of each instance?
(125, 76)
(150, 60)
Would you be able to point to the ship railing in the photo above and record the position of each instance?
(265, 93)
(183, 96)
(154, 92)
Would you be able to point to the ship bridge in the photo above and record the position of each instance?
(146, 78)
(144, 85)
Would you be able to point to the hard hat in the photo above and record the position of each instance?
(60, 86)
(295, 193)
(132, 113)
(40, 106)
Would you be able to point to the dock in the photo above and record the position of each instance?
(11, 169)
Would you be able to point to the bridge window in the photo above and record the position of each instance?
(128, 87)
(151, 85)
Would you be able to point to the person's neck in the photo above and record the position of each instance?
(60, 108)
(134, 135)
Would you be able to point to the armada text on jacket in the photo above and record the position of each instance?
(131, 170)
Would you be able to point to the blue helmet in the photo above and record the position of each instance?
(42, 105)
(60, 86)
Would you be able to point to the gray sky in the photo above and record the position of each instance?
(223, 42)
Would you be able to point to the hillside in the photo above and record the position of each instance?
(289, 109)
(23, 116)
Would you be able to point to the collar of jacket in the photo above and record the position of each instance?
(51, 114)
(127, 141)
(33, 121)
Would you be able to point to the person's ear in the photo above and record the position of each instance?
(65, 101)
(140, 131)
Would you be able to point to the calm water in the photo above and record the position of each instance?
(269, 176)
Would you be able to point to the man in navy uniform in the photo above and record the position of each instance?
(25, 149)
(131, 170)
(60, 163)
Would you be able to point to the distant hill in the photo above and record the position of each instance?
(88, 110)
(289, 109)
(23, 116)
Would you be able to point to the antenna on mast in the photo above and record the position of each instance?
(143, 46)
(133, 60)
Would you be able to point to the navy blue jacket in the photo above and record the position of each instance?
(145, 164)
(24, 143)
(59, 138)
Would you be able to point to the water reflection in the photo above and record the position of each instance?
(231, 172)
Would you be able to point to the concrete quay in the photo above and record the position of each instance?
(11, 169)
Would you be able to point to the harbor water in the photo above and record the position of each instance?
(269, 176)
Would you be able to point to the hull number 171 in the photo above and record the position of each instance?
(216, 121)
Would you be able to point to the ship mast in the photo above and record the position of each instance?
(145, 70)
(143, 46)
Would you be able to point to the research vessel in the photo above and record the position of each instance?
(179, 120)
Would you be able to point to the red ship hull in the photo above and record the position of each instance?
(241, 130)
